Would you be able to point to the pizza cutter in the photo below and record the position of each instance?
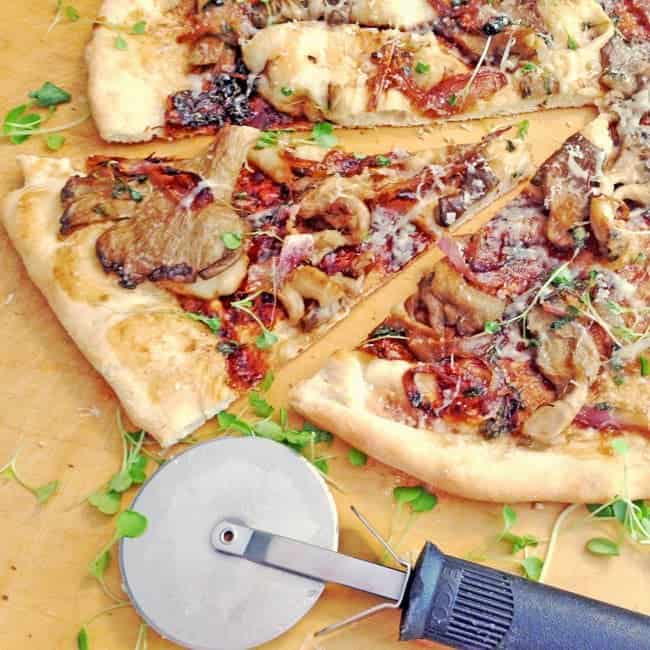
(242, 538)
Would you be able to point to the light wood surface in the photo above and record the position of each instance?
(63, 414)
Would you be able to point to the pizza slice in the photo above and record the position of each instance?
(527, 349)
(280, 63)
(184, 281)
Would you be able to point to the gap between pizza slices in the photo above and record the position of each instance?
(527, 348)
(284, 63)
(184, 281)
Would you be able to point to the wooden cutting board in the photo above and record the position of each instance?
(62, 414)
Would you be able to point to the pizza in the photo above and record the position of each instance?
(526, 349)
(276, 64)
(184, 281)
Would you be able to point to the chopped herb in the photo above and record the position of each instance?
(267, 381)
(139, 28)
(50, 95)
(286, 91)
(232, 240)
(383, 161)
(532, 568)
(422, 68)
(528, 67)
(602, 546)
(71, 14)
(510, 145)
(267, 139)
(357, 457)
(492, 327)
(519, 542)
(83, 642)
(212, 322)
(120, 43)
(42, 493)
(424, 503)
(261, 407)
(18, 124)
(322, 465)
(229, 421)
(644, 363)
(54, 141)
(403, 495)
(509, 517)
(323, 134)
(522, 129)
(562, 277)
(580, 236)
(571, 42)
(266, 340)
(452, 100)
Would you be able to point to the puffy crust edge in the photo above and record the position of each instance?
(336, 397)
(128, 89)
(186, 399)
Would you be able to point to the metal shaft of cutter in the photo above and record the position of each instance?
(307, 560)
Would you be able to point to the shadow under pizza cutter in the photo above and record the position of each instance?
(242, 538)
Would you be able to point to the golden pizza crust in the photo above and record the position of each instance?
(128, 89)
(345, 398)
(163, 367)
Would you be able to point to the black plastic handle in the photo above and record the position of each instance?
(469, 606)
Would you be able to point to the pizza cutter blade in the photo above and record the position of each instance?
(242, 538)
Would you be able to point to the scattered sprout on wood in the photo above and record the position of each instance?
(43, 493)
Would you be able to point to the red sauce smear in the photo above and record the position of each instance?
(442, 100)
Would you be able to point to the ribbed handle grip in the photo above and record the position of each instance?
(465, 605)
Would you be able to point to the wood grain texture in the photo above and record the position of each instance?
(62, 413)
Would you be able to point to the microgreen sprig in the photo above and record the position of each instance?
(266, 339)
(42, 493)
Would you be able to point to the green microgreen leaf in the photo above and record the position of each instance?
(452, 100)
(212, 322)
(518, 542)
(571, 42)
(45, 492)
(137, 469)
(97, 568)
(644, 365)
(120, 43)
(230, 421)
(322, 465)
(107, 502)
(269, 429)
(509, 517)
(424, 503)
(121, 482)
(422, 68)
(266, 340)
(522, 129)
(260, 406)
(323, 134)
(267, 139)
(130, 524)
(492, 327)
(403, 495)
(286, 91)
(357, 458)
(139, 28)
(71, 13)
(267, 381)
(562, 277)
(54, 141)
(532, 568)
(383, 161)
(602, 546)
(232, 240)
(18, 124)
(317, 434)
(50, 95)
(528, 67)
(620, 446)
(83, 641)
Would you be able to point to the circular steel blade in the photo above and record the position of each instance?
(194, 595)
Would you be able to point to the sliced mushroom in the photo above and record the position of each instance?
(307, 282)
(340, 202)
(212, 51)
(565, 179)
(608, 218)
(167, 242)
(451, 300)
(569, 358)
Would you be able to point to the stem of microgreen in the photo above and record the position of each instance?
(21, 130)
(552, 543)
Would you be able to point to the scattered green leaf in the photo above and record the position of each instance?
(323, 134)
(452, 100)
(383, 161)
(532, 568)
(620, 446)
(509, 517)
(212, 322)
(54, 141)
(107, 502)
(644, 364)
(422, 68)
(139, 28)
(322, 465)
(407, 494)
(522, 129)
(357, 457)
(266, 340)
(42, 493)
(424, 503)
(602, 546)
(120, 43)
(71, 14)
(50, 95)
(267, 139)
(232, 240)
(98, 566)
(83, 641)
(261, 407)
(492, 327)
(571, 42)
(267, 381)
(130, 524)
(230, 421)
(286, 91)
